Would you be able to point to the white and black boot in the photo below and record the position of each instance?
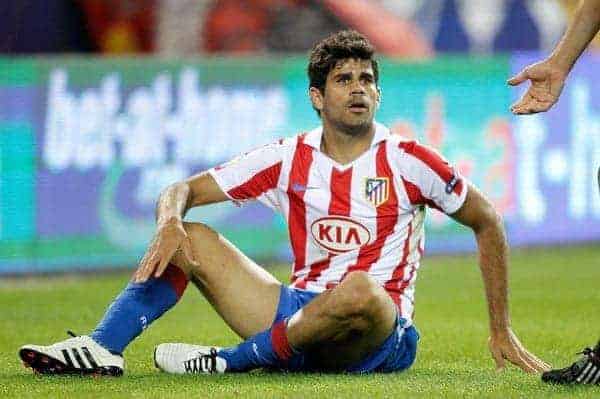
(77, 355)
(188, 359)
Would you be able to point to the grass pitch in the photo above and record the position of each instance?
(554, 307)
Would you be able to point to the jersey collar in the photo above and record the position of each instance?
(313, 138)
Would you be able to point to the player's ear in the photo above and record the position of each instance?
(316, 97)
(379, 95)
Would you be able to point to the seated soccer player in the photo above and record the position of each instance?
(354, 197)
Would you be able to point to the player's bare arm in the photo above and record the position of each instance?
(479, 214)
(548, 76)
(171, 236)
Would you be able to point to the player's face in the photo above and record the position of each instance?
(351, 96)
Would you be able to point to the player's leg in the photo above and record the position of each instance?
(135, 308)
(244, 294)
(343, 326)
(229, 279)
(336, 331)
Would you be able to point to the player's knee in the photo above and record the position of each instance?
(182, 263)
(198, 233)
(361, 297)
(362, 288)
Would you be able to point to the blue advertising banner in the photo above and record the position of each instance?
(556, 161)
(88, 144)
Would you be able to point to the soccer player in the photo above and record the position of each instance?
(354, 197)
(547, 80)
(548, 76)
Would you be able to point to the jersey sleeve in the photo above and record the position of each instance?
(252, 176)
(430, 180)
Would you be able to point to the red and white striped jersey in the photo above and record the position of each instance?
(367, 215)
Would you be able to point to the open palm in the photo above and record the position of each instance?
(547, 82)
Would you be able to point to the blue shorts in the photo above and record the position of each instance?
(396, 353)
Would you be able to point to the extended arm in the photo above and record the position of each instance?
(172, 206)
(479, 214)
(243, 178)
(178, 198)
(548, 76)
(580, 32)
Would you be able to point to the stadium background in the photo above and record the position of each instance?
(125, 97)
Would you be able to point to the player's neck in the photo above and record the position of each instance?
(344, 147)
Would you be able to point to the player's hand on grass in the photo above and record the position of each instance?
(169, 238)
(547, 81)
(506, 346)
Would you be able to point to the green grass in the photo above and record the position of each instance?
(554, 305)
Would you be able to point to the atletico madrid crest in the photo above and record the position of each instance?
(377, 190)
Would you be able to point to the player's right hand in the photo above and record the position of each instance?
(547, 81)
(169, 238)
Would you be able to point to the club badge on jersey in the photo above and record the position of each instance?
(377, 190)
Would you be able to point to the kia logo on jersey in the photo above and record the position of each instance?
(339, 234)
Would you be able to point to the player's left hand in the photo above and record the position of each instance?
(506, 346)
(547, 81)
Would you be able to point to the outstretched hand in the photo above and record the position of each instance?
(170, 237)
(547, 81)
(506, 346)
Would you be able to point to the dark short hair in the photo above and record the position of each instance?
(339, 46)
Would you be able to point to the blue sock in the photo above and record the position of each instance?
(138, 305)
(269, 348)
